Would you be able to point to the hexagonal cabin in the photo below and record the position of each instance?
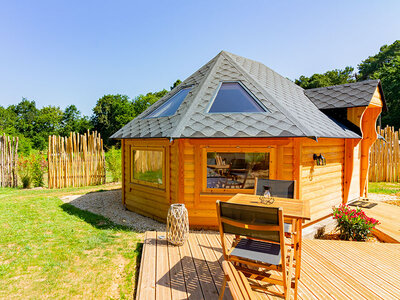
(234, 120)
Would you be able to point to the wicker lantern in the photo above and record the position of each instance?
(177, 224)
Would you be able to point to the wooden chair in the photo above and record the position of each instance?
(232, 180)
(259, 246)
(277, 188)
(237, 282)
(281, 189)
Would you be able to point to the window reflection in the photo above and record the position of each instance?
(227, 170)
(147, 165)
(170, 106)
(231, 98)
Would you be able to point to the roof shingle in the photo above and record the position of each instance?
(345, 95)
(291, 113)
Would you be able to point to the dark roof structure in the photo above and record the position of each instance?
(345, 95)
(289, 113)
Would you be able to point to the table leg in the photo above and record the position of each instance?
(297, 253)
(300, 241)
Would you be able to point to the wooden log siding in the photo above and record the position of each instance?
(8, 161)
(150, 200)
(385, 157)
(77, 160)
(323, 186)
(292, 159)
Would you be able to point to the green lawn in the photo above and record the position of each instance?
(49, 249)
(384, 187)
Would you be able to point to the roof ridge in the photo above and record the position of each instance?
(283, 110)
(272, 70)
(181, 123)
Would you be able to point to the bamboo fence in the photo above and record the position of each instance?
(8, 161)
(385, 157)
(77, 160)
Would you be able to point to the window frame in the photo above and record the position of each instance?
(143, 182)
(147, 116)
(236, 149)
(262, 106)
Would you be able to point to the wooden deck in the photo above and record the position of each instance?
(330, 269)
(389, 216)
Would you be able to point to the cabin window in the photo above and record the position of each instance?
(233, 97)
(148, 167)
(231, 170)
(170, 107)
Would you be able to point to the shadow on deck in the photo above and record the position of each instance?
(330, 269)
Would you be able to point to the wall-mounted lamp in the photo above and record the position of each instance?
(321, 161)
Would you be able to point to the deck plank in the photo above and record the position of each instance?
(330, 269)
(365, 274)
(212, 262)
(191, 278)
(178, 285)
(213, 241)
(387, 215)
(350, 270)
(207, 284)
(147, 281)
(163, 280)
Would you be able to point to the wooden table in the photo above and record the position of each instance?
(293, 209)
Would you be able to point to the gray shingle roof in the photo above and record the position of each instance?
(345, 95)
(291, 113)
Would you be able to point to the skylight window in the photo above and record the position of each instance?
(169, 107)
(232, 97)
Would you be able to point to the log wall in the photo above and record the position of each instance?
(323, 186)
(147, 199)
(291, 159)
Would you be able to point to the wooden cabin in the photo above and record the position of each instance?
(234, 120)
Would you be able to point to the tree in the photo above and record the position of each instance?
(386, 56)
(8, 119)
(74, 121)
(385, 66)
(176, 83)
(110, 114)
(333, 77)
(26, 114)
(142, 102)
(47, 122)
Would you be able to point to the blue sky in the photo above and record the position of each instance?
(74, 52)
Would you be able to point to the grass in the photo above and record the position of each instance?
(390, 188)
(49, 249)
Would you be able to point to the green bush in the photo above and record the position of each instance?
(353, 224)
(39, 167)
(25, 171)
(113, 163)
(31, 169)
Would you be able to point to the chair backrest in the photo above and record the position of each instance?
(264, 223)
(277, 188)
(219, 160)
(238, 283)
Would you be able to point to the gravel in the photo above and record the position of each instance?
(109, 205)
(382, 197)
